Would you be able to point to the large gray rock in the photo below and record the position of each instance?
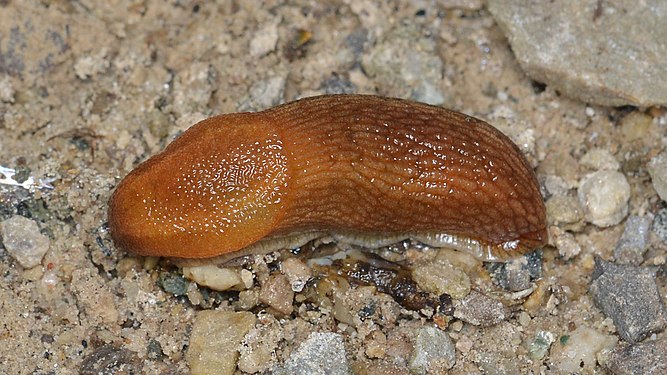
(608, 52)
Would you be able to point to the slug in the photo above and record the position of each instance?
(363, 169)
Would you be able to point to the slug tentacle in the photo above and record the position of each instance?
(343, 164)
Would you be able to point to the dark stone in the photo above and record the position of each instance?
(647, 358)
(109, 360)
(630, 296)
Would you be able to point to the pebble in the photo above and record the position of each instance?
(215, 340)
(599, 159)
(23, 241)
(109, 359)
(630, 296)
(320, 354)
(556, 185)
(297, 272)
(6, 90)
(434, 352)
(214, 277)
(480, 310)
(576, 352)
(265, 40)
(632, 245)
(635, 125)
(277, 292)
(619, 47)
(565, 212)
(567, 245)
(657, 168)
(604, 196)
(647, 358)
(659, 226)
(441, 277)
(517, 274)
(538, 348)
(264, 94)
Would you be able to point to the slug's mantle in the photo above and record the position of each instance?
(353, 165)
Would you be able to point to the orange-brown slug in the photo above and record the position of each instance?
(364, 169)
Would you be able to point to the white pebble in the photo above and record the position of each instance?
(599, 159)
(215, 278)
(23, 241)
(265, 40)
(604, 196)
(590, 112)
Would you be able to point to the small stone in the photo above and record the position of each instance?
(632, 245)
(173, 283)
(539, 347)
(635, 125)
(565, 212)
(604, 196)
(297, 272)
(659, 225)
(265, 40)
(215, 340)
(657, 168)
(260, 345)
(647, 358)
(600, 159)
(517, 274)
(214, 277)
(576, 353)
(23, 241)
(434, 352)
(630, 296)
(567, 245)
(480, 310)
(108, 359)
(6, 90)
(264, 94)
(442, 278)
(277, 293)
(556, 185)
(320, 354)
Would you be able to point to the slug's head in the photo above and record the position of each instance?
(217, 188)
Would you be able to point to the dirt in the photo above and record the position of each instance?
(90, 89)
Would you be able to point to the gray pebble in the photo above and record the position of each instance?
(630, 296)
(517, 274)
(480, 310)
(659, 226)
(434, 352)
(631, 246)
(647, 358)
(320, 354)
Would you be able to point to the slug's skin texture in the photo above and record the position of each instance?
(355, 165)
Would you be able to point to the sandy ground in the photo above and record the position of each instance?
(93, 88)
